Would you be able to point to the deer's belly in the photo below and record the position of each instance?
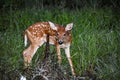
(51, 39)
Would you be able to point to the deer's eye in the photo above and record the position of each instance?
(64, 34)
(57, 34)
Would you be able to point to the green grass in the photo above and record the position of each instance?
(95, 45)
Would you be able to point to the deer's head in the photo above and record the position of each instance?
(62, 33)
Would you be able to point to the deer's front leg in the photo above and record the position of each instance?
(67, 52)
(59, 54)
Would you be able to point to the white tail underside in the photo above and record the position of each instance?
(25, 40)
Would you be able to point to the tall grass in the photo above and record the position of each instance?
(95, 45)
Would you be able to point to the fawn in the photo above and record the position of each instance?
(58, 35)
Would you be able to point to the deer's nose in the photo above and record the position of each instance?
(60, 42)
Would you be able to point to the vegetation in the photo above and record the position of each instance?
(94, 50)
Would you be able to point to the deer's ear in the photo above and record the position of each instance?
(69, 26)
(52, 26)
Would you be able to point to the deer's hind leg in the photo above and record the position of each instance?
(30, 52)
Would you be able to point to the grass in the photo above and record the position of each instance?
(95, 46)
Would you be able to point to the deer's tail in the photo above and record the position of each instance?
(25, 39)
